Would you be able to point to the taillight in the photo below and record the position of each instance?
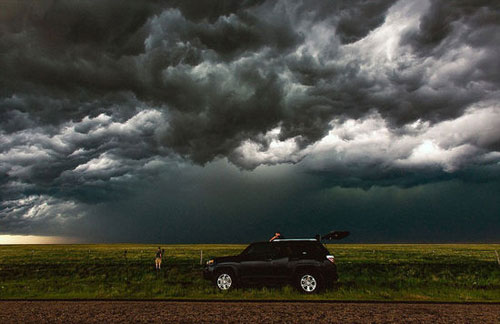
(331, 258)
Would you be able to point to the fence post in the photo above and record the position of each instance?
(498, 258)
(201, 257)
(126, 263)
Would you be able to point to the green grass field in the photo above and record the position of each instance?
(460, 272)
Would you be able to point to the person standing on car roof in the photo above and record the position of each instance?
(277, 235)
(159, 255)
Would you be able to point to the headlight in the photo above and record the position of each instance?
(210, 262)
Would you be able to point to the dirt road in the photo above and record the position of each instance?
(242, 312)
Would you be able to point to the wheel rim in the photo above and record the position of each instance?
(224, 281)
(308, 283)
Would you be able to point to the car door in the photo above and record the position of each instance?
(256, 262)
(280, 261)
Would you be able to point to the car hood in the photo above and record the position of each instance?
(234, 258)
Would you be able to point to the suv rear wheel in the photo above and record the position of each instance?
(225, 280)
(309, 282)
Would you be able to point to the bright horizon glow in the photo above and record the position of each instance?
(36, 239)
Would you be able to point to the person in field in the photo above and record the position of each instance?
(159, 255)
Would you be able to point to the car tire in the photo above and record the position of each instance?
(225, 280)
(309, 282)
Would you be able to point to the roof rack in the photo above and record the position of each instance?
(297, 239)
(333, 235)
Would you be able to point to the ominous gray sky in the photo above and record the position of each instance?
(223, 121)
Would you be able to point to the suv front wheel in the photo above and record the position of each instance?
(225, 280)
(309, 282)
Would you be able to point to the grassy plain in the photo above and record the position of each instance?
(459, 272)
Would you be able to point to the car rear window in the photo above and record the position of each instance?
(311, 249)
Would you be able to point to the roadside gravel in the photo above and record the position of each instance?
(242, 312)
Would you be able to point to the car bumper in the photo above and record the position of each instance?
(331, 276)
(208, 274)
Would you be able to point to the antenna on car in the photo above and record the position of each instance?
(333, 235)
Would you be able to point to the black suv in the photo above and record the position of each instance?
(305, 263)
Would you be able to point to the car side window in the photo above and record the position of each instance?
(297, 251)
(306, 250)
(283, 251)
(259, 249)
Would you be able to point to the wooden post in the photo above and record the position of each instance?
(498, 258)
(126, 265)
(201, 257)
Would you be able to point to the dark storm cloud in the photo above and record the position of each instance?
(359, 18)
(97, 96)
(84, 56)
(75, 58)
(88, 160)
(452, 26)
(247, 209)
(444, 18)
